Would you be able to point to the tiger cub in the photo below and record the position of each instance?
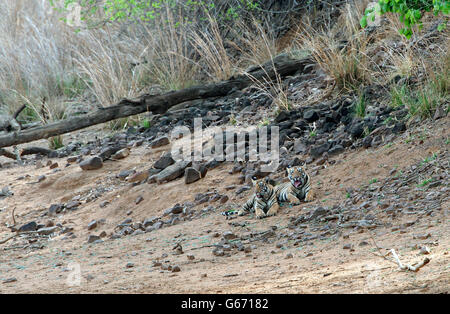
(297, 189)
(264, 201)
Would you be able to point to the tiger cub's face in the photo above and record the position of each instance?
(297, 176)
(262, 188)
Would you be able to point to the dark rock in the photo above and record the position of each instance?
(191, 175)
(31, 226)
(55, 208)
(282, 116)
(172, 172)
(311, 115)
(92, 225)
(165, 161)
(336, 149)
(161, 141)
(150, 221)
(92, 238)
(300, 147)
(356, 129)
(367, 141)
(399, 127)
(92, 163)
(317, 150)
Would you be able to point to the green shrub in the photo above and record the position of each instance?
(410, 12)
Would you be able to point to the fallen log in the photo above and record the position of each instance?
(158, 104)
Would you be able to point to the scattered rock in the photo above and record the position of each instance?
(92, 163)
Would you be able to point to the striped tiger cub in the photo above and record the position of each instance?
(297, 189)
(264, 201)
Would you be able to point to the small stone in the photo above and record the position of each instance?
(31, 226)
(224, 199)
(165, 161)
(121, 154)
(129, 265)
(228, 235)
(190, 257)
(138, 199)
(92, 225)
(424, 250)
(41, 178)
(347, 246)
(176, 269)
(161, 141)
(289, 255)
(92, 238)
(191, 175)
(9, 280)
(92, 163)
(138, 177)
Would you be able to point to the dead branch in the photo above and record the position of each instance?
(157, 104)
(409, 267)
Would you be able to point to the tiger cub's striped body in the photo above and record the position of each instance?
(263, 202)
(297, 189)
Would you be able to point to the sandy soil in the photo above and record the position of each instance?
(319, 266)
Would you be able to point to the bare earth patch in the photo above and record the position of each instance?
(130, 264)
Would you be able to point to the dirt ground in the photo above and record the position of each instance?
(126, 265)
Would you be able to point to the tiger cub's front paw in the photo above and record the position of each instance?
(310, 196)
(259, 213)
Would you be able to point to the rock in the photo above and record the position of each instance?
(129, 265)
(310, 115)
(191, 175)
(282, 116)
(48, 230)
(243, 189)
(150, 221)
(224, 199)
(92, 238)
(92, 163)
(317, 150)
(367, 141)
(399, 127)
(190, 257)
(9, 280)
(92, 225)
(336, 149)
(72, 205)
(161, 141)
(138, 199)
(228, 235)
(439, 113)
(107, 152)
(31, 226)
(138, 177)
(124, 152)
(201, 168)
(55, 209)
(176, 269)
(172, 172)
(300, 147)
(177, 209)
(165, 161)
(356, 129)
(54, 165)
(72, 159)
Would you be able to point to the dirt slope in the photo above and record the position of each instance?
(275, 264)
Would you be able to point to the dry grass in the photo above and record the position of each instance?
(45, 63)
(340, 50)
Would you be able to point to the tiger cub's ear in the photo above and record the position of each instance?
(254, 179)
(267, 180)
